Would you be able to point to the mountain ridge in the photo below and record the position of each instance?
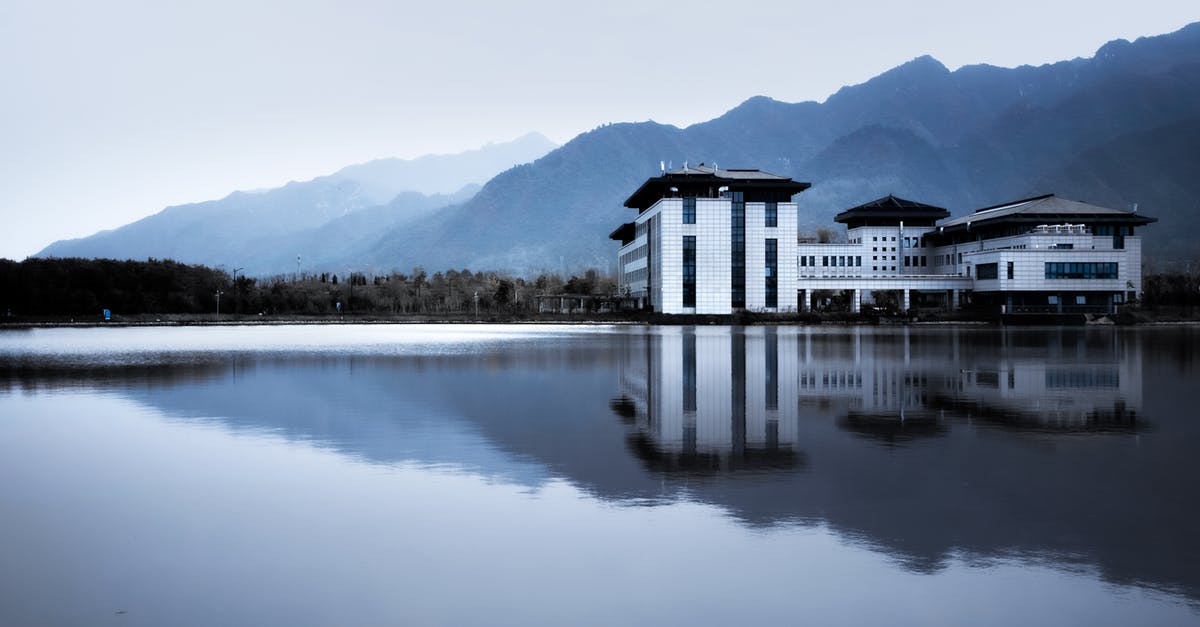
(238, 228)
(961, 138)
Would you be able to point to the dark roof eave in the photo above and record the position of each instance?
(896, 214)
(1050, 219)
(636, 200)
(621, 233)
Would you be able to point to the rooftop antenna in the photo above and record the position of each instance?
(715, 168)
(685, 168)
(662, 167)
(1135, 207)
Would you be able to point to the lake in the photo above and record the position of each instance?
(599, 475)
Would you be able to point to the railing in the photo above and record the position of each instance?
(1061, 229)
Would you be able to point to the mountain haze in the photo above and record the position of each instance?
(1112, 129)
(1118, 129)
(320, 220)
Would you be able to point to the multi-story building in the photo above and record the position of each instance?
(717, 241)
(711, 241)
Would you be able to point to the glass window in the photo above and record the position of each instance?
(689, 210)
(1081, 270)
(772, 267)
(689, 270)
(737, 250)
(772, 214)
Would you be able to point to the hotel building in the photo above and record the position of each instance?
(711, 241)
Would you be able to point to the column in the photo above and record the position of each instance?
(954, 300)
(907, 300)
(806, 304)
(856, 306)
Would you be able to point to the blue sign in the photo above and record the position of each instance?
(107, 315)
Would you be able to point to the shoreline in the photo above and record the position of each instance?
(834, 319)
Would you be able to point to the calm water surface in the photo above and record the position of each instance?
(524, 475)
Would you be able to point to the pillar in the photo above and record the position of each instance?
(856, 304)
(954, 300)
(907, 300)
(806, 304)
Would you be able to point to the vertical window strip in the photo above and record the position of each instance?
(689, 270)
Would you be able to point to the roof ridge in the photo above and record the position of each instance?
(1015, 202)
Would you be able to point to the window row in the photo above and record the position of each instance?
(1081, 270)
(830, 261)
(770, 212)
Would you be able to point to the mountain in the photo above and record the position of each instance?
(383, 179)
(319, 219)
(1118, 128)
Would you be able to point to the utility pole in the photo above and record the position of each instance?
(476, 305)
(297, 268)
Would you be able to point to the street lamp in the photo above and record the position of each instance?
(219, 292)
(235, 287)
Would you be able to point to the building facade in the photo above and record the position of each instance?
(711, 241)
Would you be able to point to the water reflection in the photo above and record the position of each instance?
(1073, 448)
(711, 397)
(1012, 442)
(708, 399)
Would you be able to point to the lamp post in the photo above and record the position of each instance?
(219, 292)
(235, 288)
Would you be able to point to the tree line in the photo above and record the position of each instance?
(84, 287)
(1175, 289)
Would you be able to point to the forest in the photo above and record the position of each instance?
(86, 287)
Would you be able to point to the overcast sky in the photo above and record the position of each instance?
(112, 110)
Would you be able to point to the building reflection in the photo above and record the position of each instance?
(905, 384)
(710, 398)
(734, 399)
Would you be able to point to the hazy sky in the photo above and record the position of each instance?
(112, 110)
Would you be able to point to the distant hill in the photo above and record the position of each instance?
(319, 219)
(1117, 129)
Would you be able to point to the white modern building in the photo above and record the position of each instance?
(711, 241)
